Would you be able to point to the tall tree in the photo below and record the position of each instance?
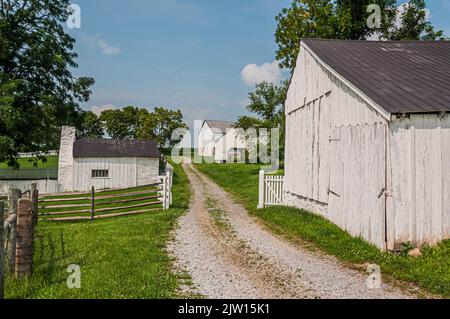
(412, 24)
(267, 105)
(160, 124)
(91, 126)
(37, 88)
(124, 123)
(347, 20)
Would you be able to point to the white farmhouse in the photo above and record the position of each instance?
(105, 163)
(221, 141)
(368, 138)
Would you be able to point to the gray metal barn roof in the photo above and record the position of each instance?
(220, 126)
(401, 77)
(96, 147)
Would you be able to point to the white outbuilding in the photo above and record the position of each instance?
(105, 163)
(221, 141)
(368, 138)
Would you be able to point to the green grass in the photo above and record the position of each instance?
(120, 258)
(431, 271)
(25, 163)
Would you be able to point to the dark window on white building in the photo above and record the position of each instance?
(100, 173)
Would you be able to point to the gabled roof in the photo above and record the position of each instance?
(219, 126)
(97, 147)
(399, 76)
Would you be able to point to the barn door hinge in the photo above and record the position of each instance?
(333, 193)
(384, 191)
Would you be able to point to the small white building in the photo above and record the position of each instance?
(105, 163)
(221, 141)
(368, 138)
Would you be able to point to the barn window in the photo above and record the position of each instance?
(100, 173)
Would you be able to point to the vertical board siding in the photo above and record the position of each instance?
(122, 173)
(420, 153)
(331, 130)
(357, 170)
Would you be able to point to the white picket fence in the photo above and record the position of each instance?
(271, 190)
(166, 188)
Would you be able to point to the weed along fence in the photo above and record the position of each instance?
(271, 188)
(107, 203)
(18, 219)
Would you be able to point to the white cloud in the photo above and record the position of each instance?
(96, 41)
(98, 109)
(253, 74)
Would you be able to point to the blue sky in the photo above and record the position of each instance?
(184, 54)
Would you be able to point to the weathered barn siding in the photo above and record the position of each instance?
(227, 142)
(335, 151)
(419, 206)
(206, 138)
(357, 181)
(124, 172)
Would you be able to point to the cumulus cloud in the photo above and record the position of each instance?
(98, 109)
(253, 74)
(96, 41)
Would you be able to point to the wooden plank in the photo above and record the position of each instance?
(98, 192)
(102, 203)
(100, 210)
(87, 218)
(98, 197)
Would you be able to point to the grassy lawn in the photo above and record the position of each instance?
(120, 258)
(430, 271)
(25, 163)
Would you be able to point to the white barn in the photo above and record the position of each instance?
(368, 138)
(220, 140)
(105, 163)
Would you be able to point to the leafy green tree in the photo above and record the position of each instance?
(415, 25)
(37, 88)
(124, 123)
(160, 124)
(267, 105)
(91, 126)
(346, 20)
(133, 122)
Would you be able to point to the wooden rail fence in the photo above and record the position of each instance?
(97, 205)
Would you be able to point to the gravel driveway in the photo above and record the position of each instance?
(228, 254)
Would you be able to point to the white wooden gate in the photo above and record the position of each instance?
(271, 189)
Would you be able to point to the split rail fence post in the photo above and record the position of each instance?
(261, 189)
(24, 248)
(92, 203)
(14, 196)
(2, 253)
(34, 198)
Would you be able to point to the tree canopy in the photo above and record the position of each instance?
(133, 122)
(347, 20)
(38, 92)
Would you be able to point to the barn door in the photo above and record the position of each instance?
(358, 181)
